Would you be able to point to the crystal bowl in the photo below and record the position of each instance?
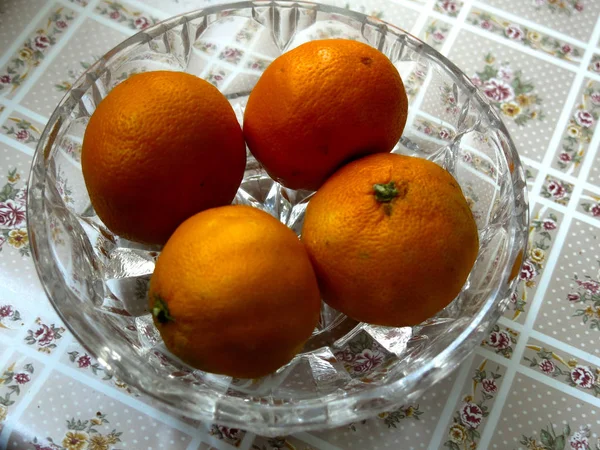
(347, 371)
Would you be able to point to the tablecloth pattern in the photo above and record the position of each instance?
(534, 383)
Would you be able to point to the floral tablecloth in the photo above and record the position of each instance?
(534, 383)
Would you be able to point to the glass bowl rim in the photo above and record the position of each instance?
(443, 361)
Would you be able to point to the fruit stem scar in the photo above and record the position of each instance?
(385, 193)
(160, 310)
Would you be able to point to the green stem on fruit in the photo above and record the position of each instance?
(160, 310)
(385, 193)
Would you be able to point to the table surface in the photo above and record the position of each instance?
(535, 381)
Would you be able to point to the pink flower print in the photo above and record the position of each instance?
(596, 66)
(141, 22)
(486, 25)
(471, 415)
(41, 447)
(566, 49)
(499, 340)
(565, 157)
(367, 360)
(83, 361)
(583, 377)
(584, 118)
(22, 378)
(579, 6)
(528, 271)
(595, 97)
(556, 189)
(549, 224)
(22, 135)
(513, 297)
(41, 41)
(505, 73)
(6, 311)
(427, 130)
(114, 15)
(450, 6)
(547, 366)
(580, 439)
(595, 210)
(12, 214)
(514, 32)
(44, 335)
(489, 385)
(393, 333)
(61, 24)
(498, 91)
(21, 197)
(579, 442)
(164, 361)
(5, 79)
(344, 356)
(229, 433)
(573, 297)
(476, 80)
(592, 287)
(444, 133)
(438, 36)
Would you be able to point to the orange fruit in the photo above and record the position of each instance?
(233, 292)
(320, 105)
(516, 267)
(160, 147)
(391, 238)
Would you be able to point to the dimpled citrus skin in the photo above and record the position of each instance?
(159, 148)
(320, 105)
(393, 263)
(240, 289)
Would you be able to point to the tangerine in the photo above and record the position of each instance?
(391, 238)
(234, 292)
(160, 147)
(320, 105)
